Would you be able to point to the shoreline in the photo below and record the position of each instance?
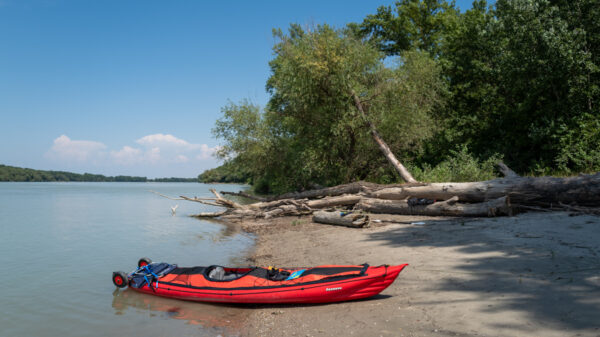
(525, 275)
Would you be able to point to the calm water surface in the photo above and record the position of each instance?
(60, 243)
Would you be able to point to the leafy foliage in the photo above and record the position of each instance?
(458, 166)
(311, 132)
(230, 172)
(523, 76)
(450, 93)
(411, 25)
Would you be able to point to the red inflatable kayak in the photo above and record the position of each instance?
(331, 283)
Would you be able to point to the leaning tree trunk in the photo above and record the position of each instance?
(389, 155)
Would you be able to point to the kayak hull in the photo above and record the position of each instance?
(372, 282)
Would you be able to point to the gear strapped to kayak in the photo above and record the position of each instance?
(150, 273)
(330, 283)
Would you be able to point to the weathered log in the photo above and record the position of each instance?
(342, 219)
(343, 200)
(450, 207)
(223, 201)
(349, 199)
(209, 214)
(583, 190)
(506, 171)
(245, 195)
(351, 188)
(265, 206)
(286, 210)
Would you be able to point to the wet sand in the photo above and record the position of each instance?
(536, 274)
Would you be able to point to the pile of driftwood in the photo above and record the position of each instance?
(502, 196)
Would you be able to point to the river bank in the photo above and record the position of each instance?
(536, 274)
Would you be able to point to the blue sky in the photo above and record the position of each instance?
(134, 87)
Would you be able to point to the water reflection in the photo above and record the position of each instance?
(217, 231)
(228, 229)
(227, 320)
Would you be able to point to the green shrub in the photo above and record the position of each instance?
(459, 166)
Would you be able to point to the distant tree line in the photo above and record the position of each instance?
(230, 172)
(449, 92)
(174, 180)
(12, 173)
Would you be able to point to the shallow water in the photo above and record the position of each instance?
(60, 243)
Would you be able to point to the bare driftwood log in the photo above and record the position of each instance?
(583, 190)
(451, 206)
(300, 207)
(245, 195)
(267, 209)
(506, 171)
(341, 219)
(209, 214)
(351, 188)
(343, 200)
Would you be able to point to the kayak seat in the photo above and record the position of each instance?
(218, 273)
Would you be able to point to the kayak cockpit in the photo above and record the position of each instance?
(223, 274)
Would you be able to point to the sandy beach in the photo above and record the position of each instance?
(535, 274)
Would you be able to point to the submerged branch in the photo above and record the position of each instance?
(166, 196)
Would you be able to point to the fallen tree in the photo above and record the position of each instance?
(450, 207)
(495, 197)
(351, 188)
(583, 190)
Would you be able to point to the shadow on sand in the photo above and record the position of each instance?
(545, 265)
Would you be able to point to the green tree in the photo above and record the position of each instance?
(470, 62)
(232, 171)
(523, 77)
(311, 132)
(410, 25)
(246, 144)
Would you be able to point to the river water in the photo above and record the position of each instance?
(60, 243)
